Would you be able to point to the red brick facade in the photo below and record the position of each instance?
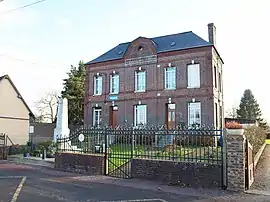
(155, 96)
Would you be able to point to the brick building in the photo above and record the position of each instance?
(169, 80)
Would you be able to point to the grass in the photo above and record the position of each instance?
(120, 154)
(267, 141)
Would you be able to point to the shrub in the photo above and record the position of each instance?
(17, 149)
(256, 137)
(233, 125)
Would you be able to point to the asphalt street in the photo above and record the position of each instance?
(30, 183)
(44, 184)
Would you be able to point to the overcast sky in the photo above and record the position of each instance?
(39, 43)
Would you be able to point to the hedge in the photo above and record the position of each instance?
(256, 137)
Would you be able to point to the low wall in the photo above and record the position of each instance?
(91, 164)
(183, 173)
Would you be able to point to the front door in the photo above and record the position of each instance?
(113, 121)
(170, 116)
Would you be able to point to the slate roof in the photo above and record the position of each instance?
(17, 91)
(167, 43)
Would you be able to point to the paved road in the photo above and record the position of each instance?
(44, 184)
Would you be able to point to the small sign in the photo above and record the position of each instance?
(31, 129)
(141, 60)
(113, 97)
(81, 137)
(115, 108)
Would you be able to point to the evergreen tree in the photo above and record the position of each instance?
(74, 91)
(248, 107)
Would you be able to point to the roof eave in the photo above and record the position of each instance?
(218, 54)
(17, 91)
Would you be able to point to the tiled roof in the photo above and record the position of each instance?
(167, 43)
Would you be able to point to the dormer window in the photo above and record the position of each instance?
(140, 48)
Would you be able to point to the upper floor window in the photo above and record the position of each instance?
(170, 78)
(220, 82)
(114, 84)
(97, 85)
(215, 77)
(194, 114)
(140, 81)
(194, 80)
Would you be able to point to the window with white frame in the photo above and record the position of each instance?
(217, 114)
(140, 81)
(194, 113)
(97, 85)
(220, 115)
(114, 84)
(194, 80)
(96, 116)
(140, 115)
(170, 78)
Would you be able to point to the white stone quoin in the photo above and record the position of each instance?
(61, 129)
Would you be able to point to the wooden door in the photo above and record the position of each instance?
(112, 116)
(170, 116)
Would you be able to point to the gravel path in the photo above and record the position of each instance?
(262, 173)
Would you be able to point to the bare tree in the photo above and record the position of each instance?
(47, 108)
(232, 113)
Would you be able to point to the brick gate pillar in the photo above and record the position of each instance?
(236, 160)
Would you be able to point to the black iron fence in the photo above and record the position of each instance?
(179, 144)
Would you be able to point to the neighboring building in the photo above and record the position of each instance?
(164, 80)
(14, 113)
(43, 132)
(244, 122)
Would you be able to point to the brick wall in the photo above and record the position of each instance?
(182, 173)
(236, 162)
(154, 84)
(91, 164)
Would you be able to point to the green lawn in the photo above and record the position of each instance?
(122, 153)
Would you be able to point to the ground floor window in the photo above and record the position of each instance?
(194, 113)
(96, 116)
(140, 115)
(221, 116)
(216, 113)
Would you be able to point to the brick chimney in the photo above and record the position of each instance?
(212, 33)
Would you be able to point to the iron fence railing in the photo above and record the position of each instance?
(179, 144)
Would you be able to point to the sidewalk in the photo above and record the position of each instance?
(262, 174)
(49, 162)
